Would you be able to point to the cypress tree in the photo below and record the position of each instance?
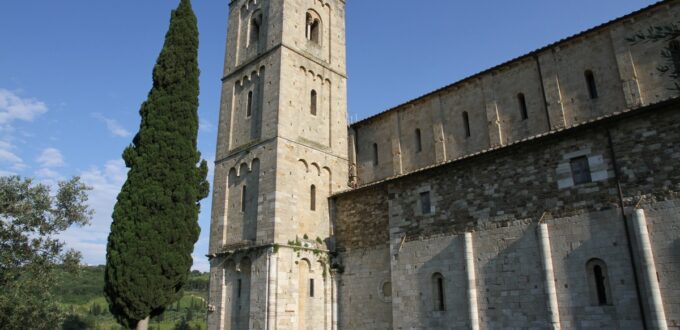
(155, 220)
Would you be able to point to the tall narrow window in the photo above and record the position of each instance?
(425, 203)
(598, 282)
(522, 101)
(313, 28)
(580, 170)
(249, 105)
(243, 198)
(592, 87)
(674, 52)
(419, 142)
(466, 123)
(311, 287)
(239, 283)
(312, 198)
(375, 154)
(312, 103)
(438, 292)
(255, 24)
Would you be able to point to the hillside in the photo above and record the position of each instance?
(81, 295)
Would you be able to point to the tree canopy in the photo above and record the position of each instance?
(30, 220)
(155, 220)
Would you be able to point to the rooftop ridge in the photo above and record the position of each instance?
(516, 59)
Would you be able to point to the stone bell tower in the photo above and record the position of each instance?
(281, 151)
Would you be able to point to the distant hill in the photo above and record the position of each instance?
(82, 296)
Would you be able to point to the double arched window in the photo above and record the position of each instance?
(313, 27)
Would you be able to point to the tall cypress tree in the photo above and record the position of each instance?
(155, 220)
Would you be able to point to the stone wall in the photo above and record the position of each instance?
(555, 89)
(500, 197)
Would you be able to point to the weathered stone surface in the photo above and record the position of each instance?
(317, 226)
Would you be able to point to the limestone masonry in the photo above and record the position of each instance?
(543, 193)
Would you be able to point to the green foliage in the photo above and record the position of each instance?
(155, 220)
(662, 33)
(76, 322)
(30, 252)
(81, 295)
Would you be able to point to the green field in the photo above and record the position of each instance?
(81, 296)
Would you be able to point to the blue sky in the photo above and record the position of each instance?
(74, 73)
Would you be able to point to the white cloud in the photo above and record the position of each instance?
(9, 157)
(13, 107)
(114, 127)
(46, 173)
(205, 126)
(106, 182)
(51, 157)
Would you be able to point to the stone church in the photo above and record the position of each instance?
(543, 193)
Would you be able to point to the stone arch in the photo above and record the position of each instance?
(241, 295)
(255, 162)
(243, 169)
(304, 163)
(304, 270)
(317, 168)
(232, 175)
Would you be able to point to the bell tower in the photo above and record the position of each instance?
(281, 151)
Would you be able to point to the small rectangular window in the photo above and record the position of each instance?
(580, 170)
(425, 205)
(249, 106)
(311, 287)
(244, 193)
(375, 154)
(238, 288)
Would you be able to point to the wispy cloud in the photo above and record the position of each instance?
(46, 173)
(205, 126)
(13, 107)
(7, 156)
(50, 157)
(112, 125)
(106, 182)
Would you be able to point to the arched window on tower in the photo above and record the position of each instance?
(313, 27)
(590, 81)
(375, 154)
(419, 141)
(438, 292)
(598, 281)
(674, 53)
(466, 123)
(312, 102)
(522, 101)
(255, 24)
(312, 198)
(249, 105)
